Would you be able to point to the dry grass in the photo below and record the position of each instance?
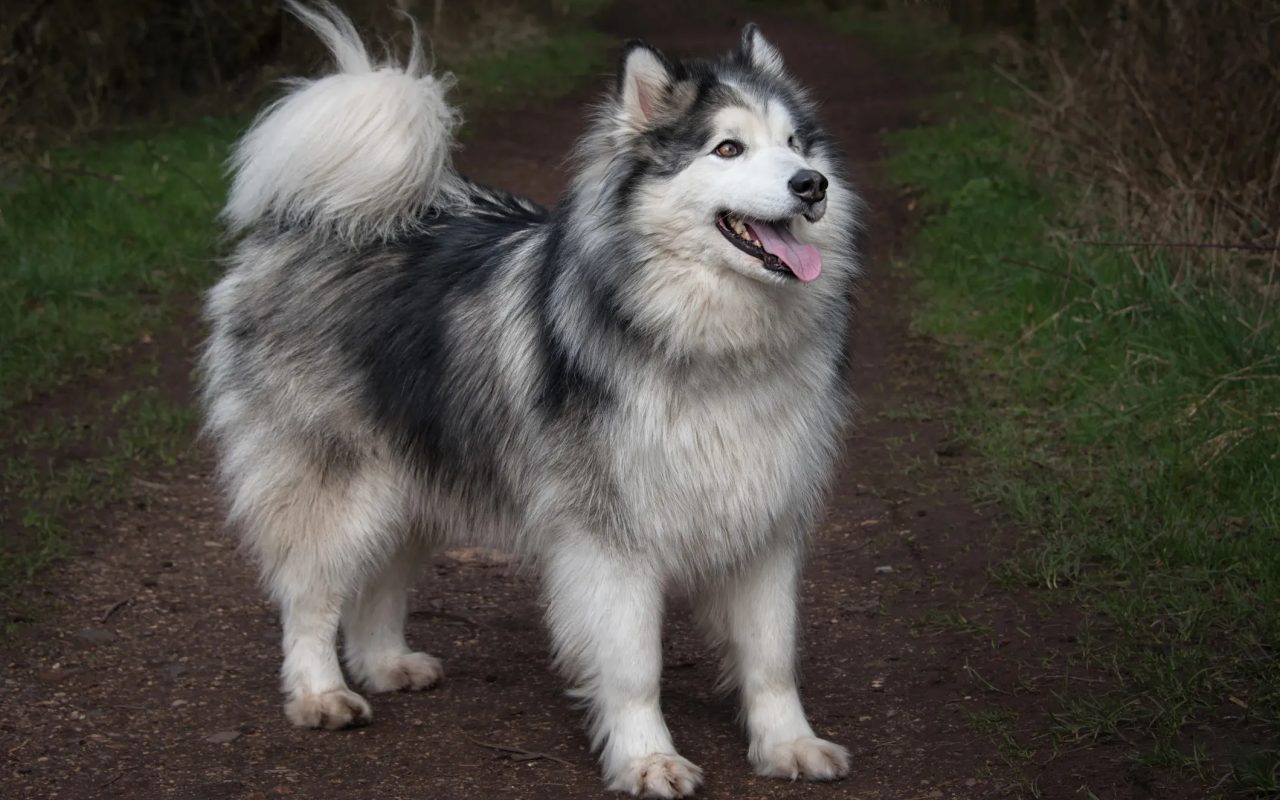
(1168, 113)
(87, 65)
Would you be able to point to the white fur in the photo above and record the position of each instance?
(364, 151)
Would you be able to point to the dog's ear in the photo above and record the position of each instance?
(756, 52)
(644, 81)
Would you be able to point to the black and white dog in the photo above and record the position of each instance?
(641, 391)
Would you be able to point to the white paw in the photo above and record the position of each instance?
(665, 775)
(412, 671)
(340, 708)
(810, 758)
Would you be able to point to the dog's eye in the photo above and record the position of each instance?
(792, 143)
(728, 149)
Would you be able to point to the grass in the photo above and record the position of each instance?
(549, 69)
(1128, 413)
(47, 480)
(107, 244)
(98, 242)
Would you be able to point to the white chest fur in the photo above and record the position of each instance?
(715, 471)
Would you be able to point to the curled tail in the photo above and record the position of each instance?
(362, 152)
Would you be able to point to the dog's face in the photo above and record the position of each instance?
(728, 168)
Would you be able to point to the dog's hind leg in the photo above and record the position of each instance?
(374, 646)
(315, 534)
(752, 612)
(605, 616)
(316, 693)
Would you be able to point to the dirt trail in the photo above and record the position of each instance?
(154, 674)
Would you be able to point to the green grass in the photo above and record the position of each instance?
(107, 243)
(548, 69)
(1130, 416)
(96, 246)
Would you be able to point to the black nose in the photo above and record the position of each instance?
(809, 185)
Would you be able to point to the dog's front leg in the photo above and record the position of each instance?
(605, 615)
(753, 612)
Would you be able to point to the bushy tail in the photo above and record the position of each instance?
(361, 153)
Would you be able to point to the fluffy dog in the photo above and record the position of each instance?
(640, 391)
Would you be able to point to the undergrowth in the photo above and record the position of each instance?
(1128, 411)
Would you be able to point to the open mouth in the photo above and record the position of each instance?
(773, 244)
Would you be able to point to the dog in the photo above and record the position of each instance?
(639, 392)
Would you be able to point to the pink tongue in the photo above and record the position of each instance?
(802, 259)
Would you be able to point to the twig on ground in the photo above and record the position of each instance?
(116, 606)
(973, 673)
(845, 551)
(81, 172)
(1252, 248)
(445, 615)
(65, 171)
(1066, 276)
(1034, 329)
(519, 753)
(200, 187)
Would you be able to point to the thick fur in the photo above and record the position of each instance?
(400, 359)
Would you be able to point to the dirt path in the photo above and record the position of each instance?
(154, 674)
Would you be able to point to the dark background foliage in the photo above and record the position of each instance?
(80, 66)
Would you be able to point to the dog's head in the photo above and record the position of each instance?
(721, 163)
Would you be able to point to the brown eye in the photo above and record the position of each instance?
(728, 149)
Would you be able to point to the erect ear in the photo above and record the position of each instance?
(758, 53)
(644, 79)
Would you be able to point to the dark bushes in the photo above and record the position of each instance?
(1169, 114)
(87, 64)
(76, 66)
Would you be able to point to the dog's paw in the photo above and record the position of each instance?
(810, 758)
(664, 775)
(410, 671)
(340, 708)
